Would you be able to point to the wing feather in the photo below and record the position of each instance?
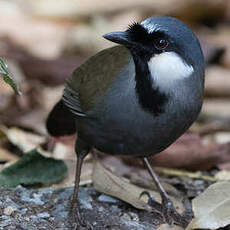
(91, 80)
(71, 99)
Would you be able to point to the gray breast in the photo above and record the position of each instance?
(118, 124)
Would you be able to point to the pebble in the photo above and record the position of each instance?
(8, 210)
(43, 215)
(100, 209)
(126, 217)
(23, 211)
(107, 199)
(134, 216)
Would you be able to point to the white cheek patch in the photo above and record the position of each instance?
(167, 68)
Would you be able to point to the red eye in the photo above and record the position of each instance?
(161, 44)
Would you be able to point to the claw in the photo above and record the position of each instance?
(156, 207)
(166, 210)
(151, 200)
(77, 222)
(170, 214)
(145, 193)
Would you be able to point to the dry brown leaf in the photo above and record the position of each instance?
(217, 81)
(6, 94)
(212, 52)
(2, 131)
(62, 151)
(49, 45)
(212, 208)
(221, 37)
(215, 126)
(108, 183)
(224, 166)
(86, 8)
(86, 174)
(79, 37)
(25, 141)
(5, 155)
(223, 175)
(222, 137)
(217, 107)
(190, 153)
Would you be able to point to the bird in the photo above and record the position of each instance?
(135, 98)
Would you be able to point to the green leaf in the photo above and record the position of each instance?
(4, 72)
(33, 168)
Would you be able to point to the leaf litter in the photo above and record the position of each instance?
(194, 153)
(212, 208)
(107, 182)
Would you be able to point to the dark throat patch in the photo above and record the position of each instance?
(150, 97)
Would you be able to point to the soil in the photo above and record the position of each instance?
(32, 209)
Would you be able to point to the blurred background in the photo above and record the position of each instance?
(44, 41)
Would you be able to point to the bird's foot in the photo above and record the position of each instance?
(170, 214)
(166, 209)
(76, 221)
(155, 206)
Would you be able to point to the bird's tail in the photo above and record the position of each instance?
(60, 121)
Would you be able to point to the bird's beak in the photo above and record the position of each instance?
(118, 37)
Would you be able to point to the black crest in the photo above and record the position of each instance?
(137, 33)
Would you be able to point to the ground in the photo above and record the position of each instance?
(32, 209)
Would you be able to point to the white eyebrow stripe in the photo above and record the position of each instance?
(167, 68)
(153, 27)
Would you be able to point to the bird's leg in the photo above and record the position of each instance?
(75, 207)
(75, 217)
(168, 210)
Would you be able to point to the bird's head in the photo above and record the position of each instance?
(165, 43)
(157, 35)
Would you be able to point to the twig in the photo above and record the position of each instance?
(182, 173)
